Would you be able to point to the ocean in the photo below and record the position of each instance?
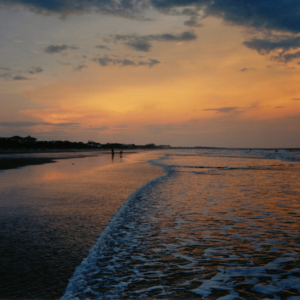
(198, 224)
(221, 224)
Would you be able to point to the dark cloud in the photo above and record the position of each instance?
(101, 47)
(228, 109)
(16, 75)
(56, 6)
(290, 56)
(139, 45)
(99, 128)
(58, 48)
(265, 46)
(275, 15)
(150, 63)
(192, 12)
(266, 16)
(63, 8)
(5, 69)
(20, 77)
(32, 124)
(104, 61)
(107, 61)
(260, 14)
(280, 47)
(126, 62)
(35, 70)
(67, 124)
(167, 4)
(193, 22)
(184, 36)
(296, 99)
(281, 16)
(143, 43)
(279, 107)
(247, 69)
(80, 67)
(18, 124)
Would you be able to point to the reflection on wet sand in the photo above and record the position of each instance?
(50, 216)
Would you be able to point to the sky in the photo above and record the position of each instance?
(222, 73)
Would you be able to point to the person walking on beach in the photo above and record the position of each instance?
(112, 154)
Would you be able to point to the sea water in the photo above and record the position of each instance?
(221, 224)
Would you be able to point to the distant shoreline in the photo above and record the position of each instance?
(14, 159)
(32, 151)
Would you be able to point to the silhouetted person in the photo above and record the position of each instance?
(112, 154)
(121, 152)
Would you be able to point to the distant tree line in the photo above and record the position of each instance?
(28, 143)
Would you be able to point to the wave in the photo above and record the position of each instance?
(80, 282)
(182, 236)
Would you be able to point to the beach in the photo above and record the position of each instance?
(52, 214)
(17, 159)
(167, 224)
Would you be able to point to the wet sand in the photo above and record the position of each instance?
(51, 215)
(12, 163)
(12, 160)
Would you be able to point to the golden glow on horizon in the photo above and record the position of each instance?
(172, 98)
(212, 78)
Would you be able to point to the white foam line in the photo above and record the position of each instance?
(86, 266)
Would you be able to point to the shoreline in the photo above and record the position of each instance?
(34, 151)
(13, 160)
(52, 215)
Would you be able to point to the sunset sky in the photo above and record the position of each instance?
(185, 73)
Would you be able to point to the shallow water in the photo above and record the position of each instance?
(50, 216)
(222, 224)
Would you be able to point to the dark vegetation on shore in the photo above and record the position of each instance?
(30, 143)
(17, 144)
